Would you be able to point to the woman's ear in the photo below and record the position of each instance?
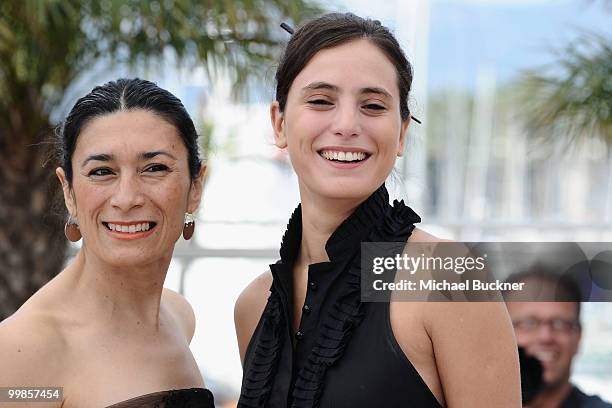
(403, 135)
(278, 125)
(68, 193)
(195, 192)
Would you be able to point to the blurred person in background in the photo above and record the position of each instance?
(104, 328)
(305, 337)
(551, 332)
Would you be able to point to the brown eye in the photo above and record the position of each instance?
(155, 168)
(100, 172)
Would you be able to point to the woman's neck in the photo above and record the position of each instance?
(117, 295)
(321, 216)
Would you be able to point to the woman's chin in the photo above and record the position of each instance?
(129, 258)
(347, 189)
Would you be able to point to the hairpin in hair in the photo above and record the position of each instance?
(287, 28)
(290, 30)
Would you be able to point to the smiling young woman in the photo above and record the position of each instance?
(104, 329)
(305, 337)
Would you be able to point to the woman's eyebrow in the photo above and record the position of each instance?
(150, 155)
(99, 157)
(105, 157)
(316, 86)
(376, 90)
(319, 85)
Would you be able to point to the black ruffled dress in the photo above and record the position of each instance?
(344, 353)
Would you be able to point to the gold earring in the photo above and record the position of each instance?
(71, 229)
(189, 226)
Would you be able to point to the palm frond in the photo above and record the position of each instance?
(572, 98)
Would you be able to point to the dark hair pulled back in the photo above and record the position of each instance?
(126, 95)
(331, 30)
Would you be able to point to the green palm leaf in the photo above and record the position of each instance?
(573, 97)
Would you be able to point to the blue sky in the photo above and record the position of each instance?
(508, 36)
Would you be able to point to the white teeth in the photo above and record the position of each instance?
(343, 156)
(545, 355)
(130, 229)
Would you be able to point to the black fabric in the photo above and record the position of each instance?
(578, 399)
(532, 379)
(345, 354)
(185, 398)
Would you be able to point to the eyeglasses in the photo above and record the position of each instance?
(531, 324)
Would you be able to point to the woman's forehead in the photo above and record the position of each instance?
(349, 67)
(128, 131)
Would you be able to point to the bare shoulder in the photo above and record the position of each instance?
(475, 350)
(181, 310)
(474, 359)
(421, 242)
(249, 307)
(479, 315)
(32, 347)
(418, 235)
(33, 341)
(254, 297)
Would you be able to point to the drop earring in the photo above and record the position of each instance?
(189, 226)
(71, 229)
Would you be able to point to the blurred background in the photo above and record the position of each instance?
(515, 145)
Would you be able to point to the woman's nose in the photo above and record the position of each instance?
(128, 193)
(347, 120)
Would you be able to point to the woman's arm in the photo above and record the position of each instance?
(31, 353)
(248, 310)
(470, 344)
(475, 353)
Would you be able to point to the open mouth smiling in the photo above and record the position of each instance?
(130, 227)
(546, 356)
(343, 156)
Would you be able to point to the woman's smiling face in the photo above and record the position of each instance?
(131, 187)
(341, 124)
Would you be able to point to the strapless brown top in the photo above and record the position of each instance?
(184, 398)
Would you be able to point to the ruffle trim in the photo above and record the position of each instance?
(259, 379)
(397, 226)
(357, 226)
(348, 311)
(346, 314)
(292, 237)
(352, 230)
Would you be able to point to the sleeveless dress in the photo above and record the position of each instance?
(183, 398)
(344, 353)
